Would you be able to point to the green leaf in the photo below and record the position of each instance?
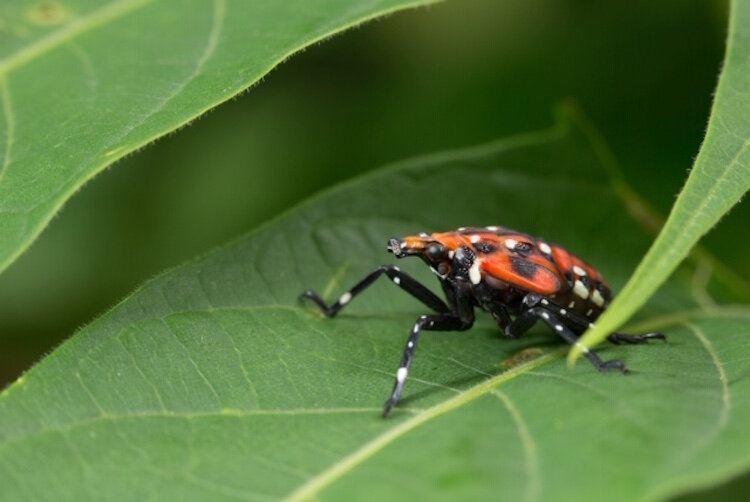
(83, 84)
(719, 179)
(212, 381)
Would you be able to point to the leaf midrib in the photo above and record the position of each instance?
(312, 487)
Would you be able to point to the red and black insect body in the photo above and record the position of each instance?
(518, 279)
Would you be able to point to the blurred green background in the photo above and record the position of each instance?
(455, 74)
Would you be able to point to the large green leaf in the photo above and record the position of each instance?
(719, 179)
(84, 83)
(212, 381)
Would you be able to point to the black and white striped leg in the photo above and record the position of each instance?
(526, 320)
(581, 324)
(437, 322)
(400, 278)
(624, 338)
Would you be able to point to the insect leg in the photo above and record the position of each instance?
(500, 314)
(400, 278)
(582, 324)
(497, 310)
(437, 322)
(576, 322)
(623, 338)
(526, 320)
(462, 320)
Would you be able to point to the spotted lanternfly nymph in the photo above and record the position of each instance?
(518, 279)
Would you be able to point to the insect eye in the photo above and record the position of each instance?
(436, 251)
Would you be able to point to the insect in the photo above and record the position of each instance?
(516, 278)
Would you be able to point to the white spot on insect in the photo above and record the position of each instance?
(474, 275)
(597, 298)
(582, 347)
(461, 229)
(401, 374)
(579, 271)
(544, 247)
(493, 228)
(423, 234)
(558, 327)
(431, 324)
(545, 315)
(563, 312)
(580, 290)
(396, 268)
(510, 243)
(591, 325)
(571, 305)
(402, 245)
(544, 302)
(410, 344)
(345, 298)
(397, 280)
(451, 254)
(415, 329)
(589, 311)
(475, 238)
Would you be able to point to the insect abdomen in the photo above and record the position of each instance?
(586, 292)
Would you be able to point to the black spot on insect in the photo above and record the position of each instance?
(585, 280)
(569, 277)
(485, 247)
(523, 248)
(522, 267)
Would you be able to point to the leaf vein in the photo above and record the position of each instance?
(141, 373)
(723, 380)
(249, 380)
(531, 463)
(10, 124)
(70, 31)
(223, 490)
(93, 398)
(208, 51)
(223, 412)
(189, 357)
